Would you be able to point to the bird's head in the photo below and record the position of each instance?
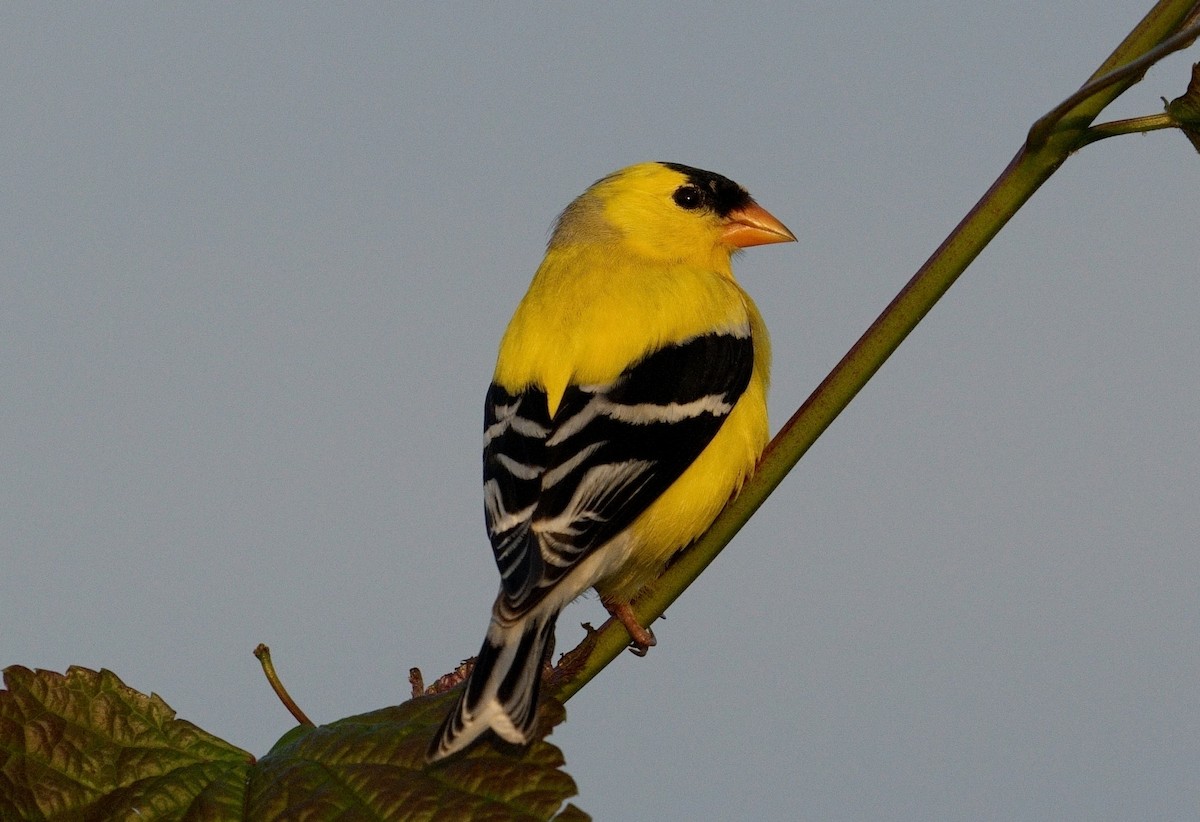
(669, 212)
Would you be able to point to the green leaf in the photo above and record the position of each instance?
(372, 767)
(85, 746)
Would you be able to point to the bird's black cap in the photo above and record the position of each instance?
(722, 194)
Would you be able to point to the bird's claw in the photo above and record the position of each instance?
(642, 638)
(640, 646)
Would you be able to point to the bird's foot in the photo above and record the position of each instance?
(642, 638)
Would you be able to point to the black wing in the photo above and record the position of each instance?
(555, 490)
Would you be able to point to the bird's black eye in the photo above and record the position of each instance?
(688, 196)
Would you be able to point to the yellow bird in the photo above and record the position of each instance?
(628, 405)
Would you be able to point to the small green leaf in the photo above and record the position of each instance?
(85, 746)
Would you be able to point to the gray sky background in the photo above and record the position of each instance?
(256, 259)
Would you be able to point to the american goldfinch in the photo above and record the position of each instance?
(627, 406)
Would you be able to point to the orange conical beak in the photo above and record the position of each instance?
(754, 225)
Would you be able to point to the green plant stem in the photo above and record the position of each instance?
(1057, 135)
(263, 654)
(1134, 125)
(1115, 73)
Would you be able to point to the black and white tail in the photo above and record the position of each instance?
(502, 691)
